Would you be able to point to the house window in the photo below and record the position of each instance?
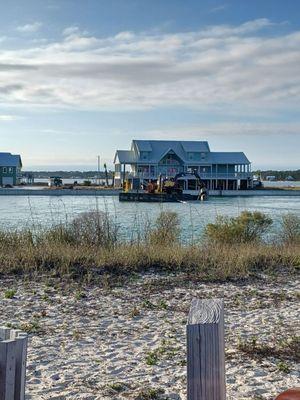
(4, 169)
(10, 170)
(203, 155)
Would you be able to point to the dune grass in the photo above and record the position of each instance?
(89, 247)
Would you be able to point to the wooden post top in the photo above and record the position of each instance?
(206, 311)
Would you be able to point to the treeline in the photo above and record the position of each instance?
(279, 175)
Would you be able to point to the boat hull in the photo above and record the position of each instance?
(156, 197)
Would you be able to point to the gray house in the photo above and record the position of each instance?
(10, 169)
(148, 158)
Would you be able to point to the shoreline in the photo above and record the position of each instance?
(115, 192)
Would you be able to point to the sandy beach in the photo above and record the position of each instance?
(128, 342)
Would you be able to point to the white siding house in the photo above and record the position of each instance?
(147, 159)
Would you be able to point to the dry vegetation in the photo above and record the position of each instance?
(88, 247)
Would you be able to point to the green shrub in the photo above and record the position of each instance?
(290, 228)
(166, 230)
(248, 227)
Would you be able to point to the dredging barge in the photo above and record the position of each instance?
(183, 187)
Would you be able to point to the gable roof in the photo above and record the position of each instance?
(170, 150)
(10, 160)
(125, 156)
(142, 145)
(159, 148)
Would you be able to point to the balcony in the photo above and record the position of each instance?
(224, 175)
(213, 175)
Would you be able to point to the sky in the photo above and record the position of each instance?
(80, 79)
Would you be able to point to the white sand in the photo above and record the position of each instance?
(89, 344)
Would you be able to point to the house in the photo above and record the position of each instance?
(10, 169)
(147, 159)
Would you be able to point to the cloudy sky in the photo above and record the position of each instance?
(82, 78)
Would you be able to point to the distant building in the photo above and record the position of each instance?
(147, 159)
(271, 178)
(290, 178)
(10, 169)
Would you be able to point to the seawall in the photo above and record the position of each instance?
(58, 192)
(252, 193)
(115, 192)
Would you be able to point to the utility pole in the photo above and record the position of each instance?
(98, 170)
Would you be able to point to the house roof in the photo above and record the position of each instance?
(10, 160)
(159, 148)
(228, 158)
(143, 145)
(193, 146)
(125, 156)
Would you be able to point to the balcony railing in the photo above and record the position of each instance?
(213, 175)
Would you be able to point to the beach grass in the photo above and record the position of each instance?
(89, 248)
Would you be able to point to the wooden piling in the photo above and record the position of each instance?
(13, 354)
(206, 351)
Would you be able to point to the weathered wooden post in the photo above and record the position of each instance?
(13, 354)
(206, 351)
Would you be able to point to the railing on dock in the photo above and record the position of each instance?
(13, 354)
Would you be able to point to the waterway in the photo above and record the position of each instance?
(17, 212)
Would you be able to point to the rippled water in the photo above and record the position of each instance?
(33, 212)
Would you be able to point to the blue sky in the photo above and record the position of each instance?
(82, 78)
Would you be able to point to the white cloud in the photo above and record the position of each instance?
(219, 8)
(206, 130)
(28, 28)
(7, 118)
(216, 66)
(71, 30)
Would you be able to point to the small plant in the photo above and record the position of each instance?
(290, 228)
(76, 335)
(80, 295)
(117, 387)
(162, 305)
(148, 304)
(31, 327)
(10, 293)
(152, 358)
(135, 312)
(283, 348)
(283, 367)
(150, 394)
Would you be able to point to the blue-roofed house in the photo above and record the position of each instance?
(10, 169)
(147, 159)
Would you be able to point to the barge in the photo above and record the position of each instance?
(183, 187)
(145, 197)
